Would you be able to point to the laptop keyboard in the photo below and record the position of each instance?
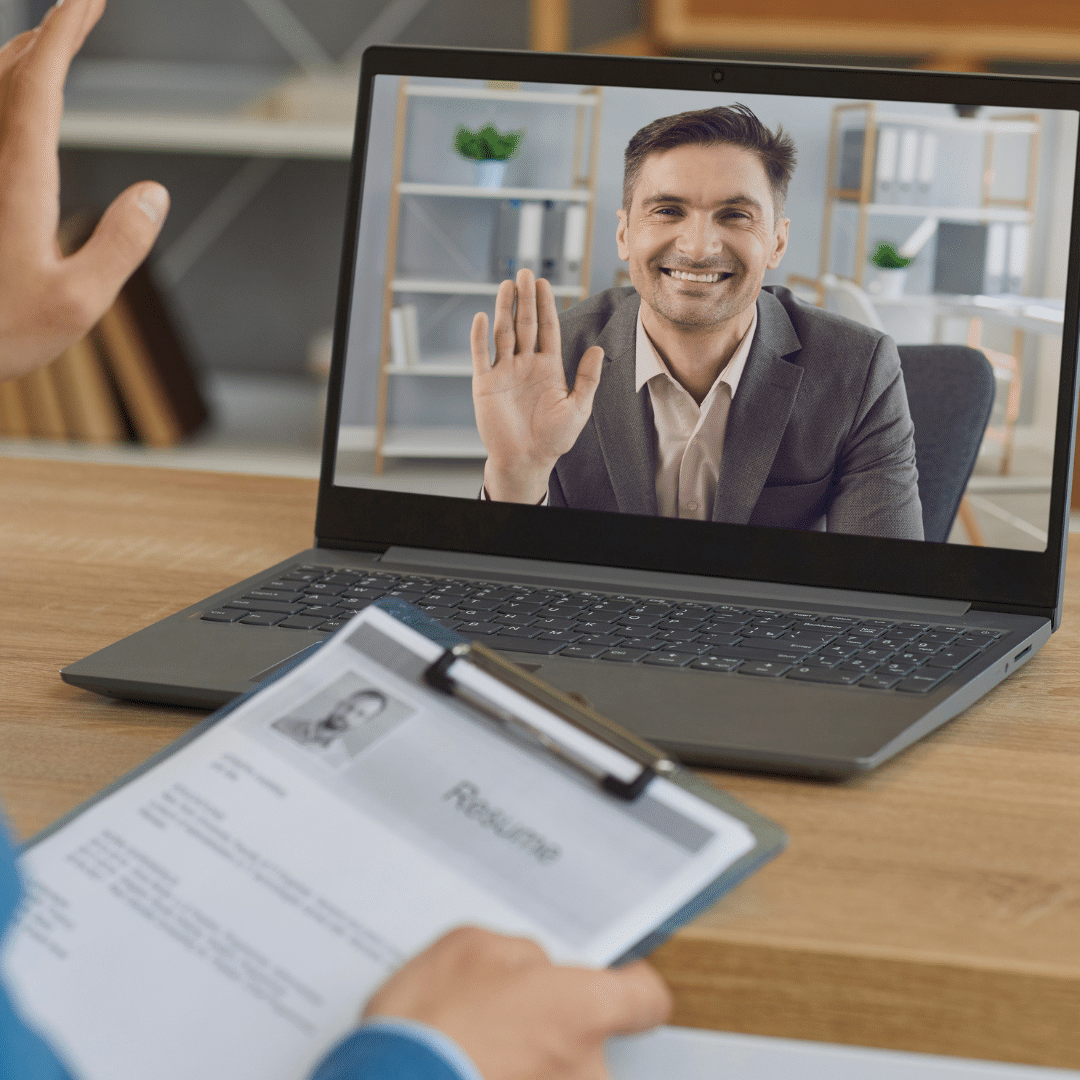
(804, 645)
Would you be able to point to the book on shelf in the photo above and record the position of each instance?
(149, 363)
(134, 368)
(45, 417)
(14, 423)
(87, 396)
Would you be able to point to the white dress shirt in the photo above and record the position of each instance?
(689, 437)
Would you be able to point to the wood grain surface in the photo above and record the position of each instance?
(933, 906)
(959, 36)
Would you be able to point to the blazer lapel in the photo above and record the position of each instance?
(759, 413)
(623, 418)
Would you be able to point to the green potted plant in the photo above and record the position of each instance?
(489, 149)
(891, 270)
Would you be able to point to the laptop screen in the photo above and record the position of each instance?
(833, 314)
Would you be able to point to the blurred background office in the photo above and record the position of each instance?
(244, 109)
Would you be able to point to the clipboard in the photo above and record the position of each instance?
(280, 860)
(653, 762)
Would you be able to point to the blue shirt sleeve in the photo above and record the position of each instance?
(391, 1049)
(23, 1054)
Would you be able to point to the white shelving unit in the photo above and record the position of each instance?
(394, 441)
(107, 130)
(466, 191)
(470, 288)
(1032, 316)
(990, 208)
(980, 214)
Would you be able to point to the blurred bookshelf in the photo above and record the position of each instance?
(260, 424)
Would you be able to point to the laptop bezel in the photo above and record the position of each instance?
(995, 578)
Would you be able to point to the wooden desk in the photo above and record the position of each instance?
(934, 906)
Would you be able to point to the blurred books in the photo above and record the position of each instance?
(129, 380)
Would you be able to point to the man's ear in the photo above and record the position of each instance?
(620, 235)
(781, 243)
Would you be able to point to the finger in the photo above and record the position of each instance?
(122, 240)
(15, 48)
(547, 317)
(525, 321)
(10, 55)
(33, 106)
(635, 999)
(504, 321)
(478, 343)
(587, 378)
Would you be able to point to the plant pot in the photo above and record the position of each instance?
(888, 284)
(490, 173)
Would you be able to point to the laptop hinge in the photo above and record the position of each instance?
(539, 572)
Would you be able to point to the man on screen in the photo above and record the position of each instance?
(697, 393)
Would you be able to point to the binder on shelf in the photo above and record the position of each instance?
(928, 159)
(960, 259)
(552, 242)
(404, 337)
(997, 243)
(888, 150)
(852, 147)
(398, 351)
(530, 236)
(390, 784)
(576, 225)
(909, 156)
(410, 327)
(504, 241)
(1019, 236)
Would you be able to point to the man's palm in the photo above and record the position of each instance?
(526, 414)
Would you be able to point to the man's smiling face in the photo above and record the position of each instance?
(700, 233)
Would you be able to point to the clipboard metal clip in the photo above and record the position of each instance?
(579, 714)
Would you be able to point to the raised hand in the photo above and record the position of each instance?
(47, 301)
(526, 414)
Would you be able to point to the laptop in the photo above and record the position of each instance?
(883, 536)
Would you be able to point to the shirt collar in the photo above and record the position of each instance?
(648, 363)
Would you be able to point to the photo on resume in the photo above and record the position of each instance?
(342, 720)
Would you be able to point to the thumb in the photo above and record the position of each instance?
(587, 378)
(643, 999)
(122, 240)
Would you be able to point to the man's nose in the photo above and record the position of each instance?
(700, 238)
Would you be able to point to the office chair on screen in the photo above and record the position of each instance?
(950, 391)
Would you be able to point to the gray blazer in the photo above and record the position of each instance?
(818, 437)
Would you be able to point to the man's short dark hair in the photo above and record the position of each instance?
(733, 125)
